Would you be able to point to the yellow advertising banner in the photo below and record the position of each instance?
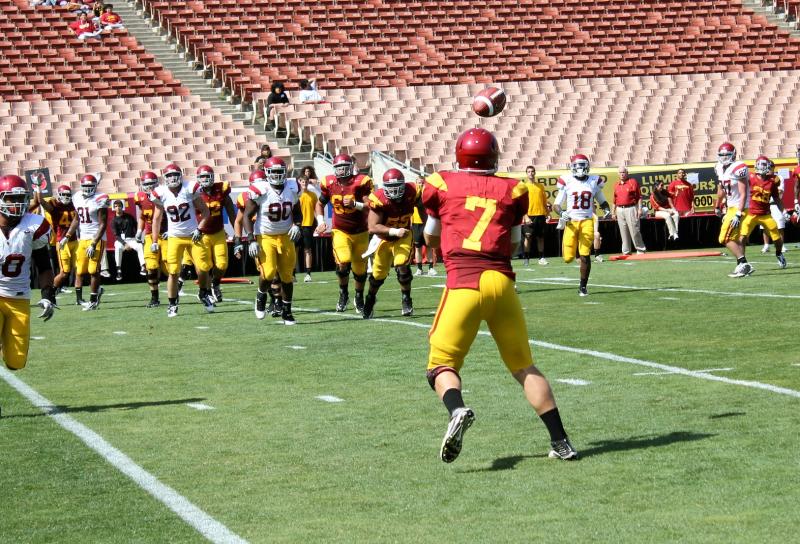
(700, 174)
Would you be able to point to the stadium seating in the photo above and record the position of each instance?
(634, 120)
(346, 44)
(122, 137)
(41, 59)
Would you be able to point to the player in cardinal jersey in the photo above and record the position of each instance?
(153, 262)
(271, 239)
(24, 239)
(577, 192)
(476, 218)
(733, 191)
(217, 196)
(348, 194)
(180, 202)
(91, 216)
(794, 181)
(764, 187)
(62, 213)
(390, 211)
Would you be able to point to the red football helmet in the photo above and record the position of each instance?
(149, 181)
(394, 184)
(343, 167)
(477, 152)
(205, 176)
(579, 165)
(726, 154)
(764, 166)
(14, 196)
(173, 175)
(275, 169)
(64, 194)
(89, 185)
(258, 175)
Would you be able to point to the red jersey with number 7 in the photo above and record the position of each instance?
(477, 214)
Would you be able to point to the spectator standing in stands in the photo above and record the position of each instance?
(124, 226)
(663, 206)
(309, 93)
(308, 202)
(109, 19)
(277, 95)
(311, 175)
(84, 28)
(682, 193)
(533, 223)
(627, 212)
(97, 11)
(266, 152)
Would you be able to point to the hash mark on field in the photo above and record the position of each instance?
(120, 333)
(572, 381)
(204, 524)
(329, 398)
(199, 406)
(296, 347)
(704, 371)
(668, 298)
(201, 328)
(590, 302)
(616, 358)
(37, 337)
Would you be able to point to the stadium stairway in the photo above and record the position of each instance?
(157, 43)
(772, 10)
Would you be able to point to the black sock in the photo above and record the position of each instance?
(154, 294)
(93, 297)
(741, 260)
(173, 301)
(419, 266)
(554, 426)
(584, 282)
(79, 294)
(452, 399)
(287, 306)
(359, 292)
(344, 289)
(216, 281)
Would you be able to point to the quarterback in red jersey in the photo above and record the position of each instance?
(217, 196)
(475, 216)
(390, 211)
(62, 213)
(348, 193)
(153, 262)
(764, 187)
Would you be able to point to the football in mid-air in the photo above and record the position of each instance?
(489, 102)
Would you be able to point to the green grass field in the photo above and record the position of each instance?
(670, 454)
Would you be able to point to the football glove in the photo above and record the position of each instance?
(787, 215)
(164, 235)
(797, 208)
(63, 243)
(197, 235)
(565, 215)
(48, 309)
(90, 251)
(294, 233)
(238, 248)
(736, 220)
(252, 249)
(718, 212)
(139, 236)
(154, 247)
(607, 214)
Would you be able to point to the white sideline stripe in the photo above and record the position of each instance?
(668, 298)
(201, 328)
(572, 381)
(618, 359)
(668, 289)
(186, 510)
(199, 406)
(705, 370)
(120, 333)
(296, 347)
(329, 398)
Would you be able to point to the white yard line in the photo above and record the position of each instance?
(199, 406)
(616, 358)
(329, 398)
(572, 381)
(666, 289)
(704, 371)
(207, 526)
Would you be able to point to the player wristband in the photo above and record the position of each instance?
(359, 205)
(394, 232)
(320, 219)
(251, 237)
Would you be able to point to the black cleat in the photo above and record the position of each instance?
(562, 449)
(261, 306)
(277, 309)
(343, 300)
(408, 305)
(286, 315)
(153, 303)
(217, 294)
(582, 292)
(359, 302)
(369, 306)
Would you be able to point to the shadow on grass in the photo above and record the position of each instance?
(727, 414)
(94, 408)
(601, 447)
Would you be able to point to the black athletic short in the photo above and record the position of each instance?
(417, 231)
(536, 227)
(306, 238)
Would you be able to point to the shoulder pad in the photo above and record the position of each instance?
(519, 189)
(436, 181)
(375, 199)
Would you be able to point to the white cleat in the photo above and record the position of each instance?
(307, 279)
(461, 420)
(431, 271)
(172, 311)
(418, 272)
(543, 261)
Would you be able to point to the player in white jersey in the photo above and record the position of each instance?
(23, 239)
(733, 191)
(181, 202)
(271, 240)
(91, 215)
(577, 192)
